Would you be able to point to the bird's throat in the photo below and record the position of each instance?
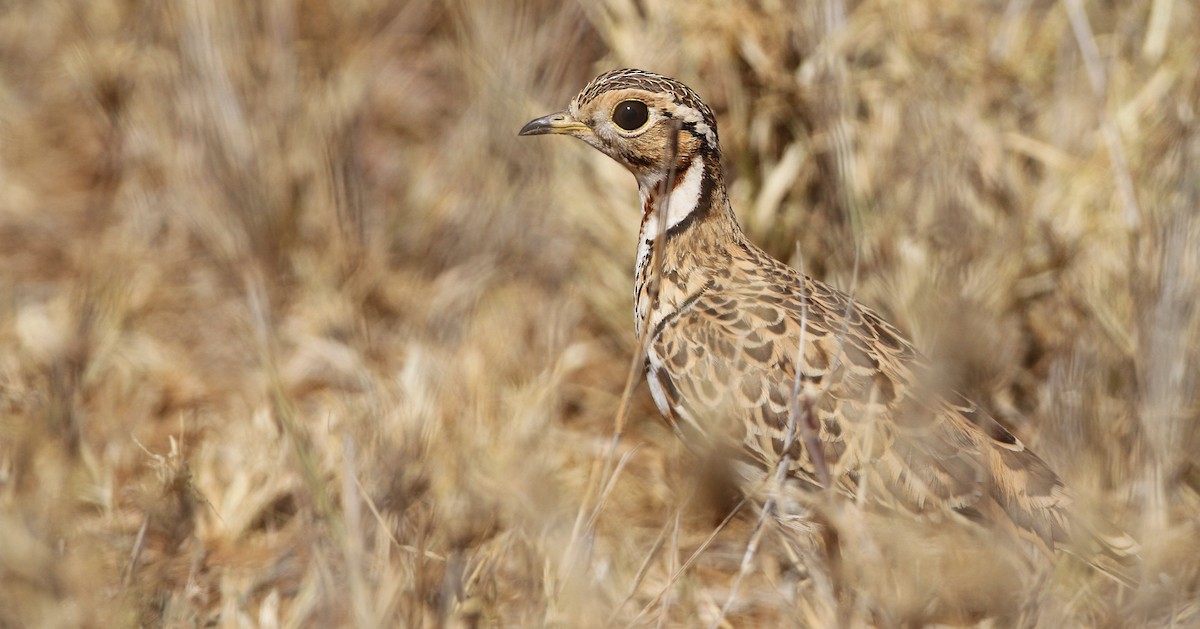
(688, 194)
(667, 216)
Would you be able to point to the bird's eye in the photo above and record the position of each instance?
(630, 114)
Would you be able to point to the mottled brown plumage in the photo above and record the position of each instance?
(735, 337)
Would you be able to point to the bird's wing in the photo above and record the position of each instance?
(884, 439)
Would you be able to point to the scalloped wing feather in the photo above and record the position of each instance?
(735, 350)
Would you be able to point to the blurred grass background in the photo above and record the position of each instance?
(295, 331)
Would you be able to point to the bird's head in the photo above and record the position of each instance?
(631, 116)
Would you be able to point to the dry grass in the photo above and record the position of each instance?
(295, 331)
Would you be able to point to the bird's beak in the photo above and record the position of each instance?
(559, 123)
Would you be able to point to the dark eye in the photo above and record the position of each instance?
(630, 114)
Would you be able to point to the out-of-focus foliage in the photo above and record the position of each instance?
(295, 331)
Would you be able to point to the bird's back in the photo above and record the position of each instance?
(763, 355)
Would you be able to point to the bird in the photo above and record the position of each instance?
(793, 377)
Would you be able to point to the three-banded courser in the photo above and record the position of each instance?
(742, 349)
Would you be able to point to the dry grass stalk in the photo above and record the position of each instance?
(310, 235)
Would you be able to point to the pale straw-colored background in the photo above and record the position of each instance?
(295, 331)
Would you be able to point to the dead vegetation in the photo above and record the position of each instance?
(295, 331)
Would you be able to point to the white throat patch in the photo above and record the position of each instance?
(679, 204)
(683, 201)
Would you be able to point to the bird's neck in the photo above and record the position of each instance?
(690, 216)
(694, 194)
